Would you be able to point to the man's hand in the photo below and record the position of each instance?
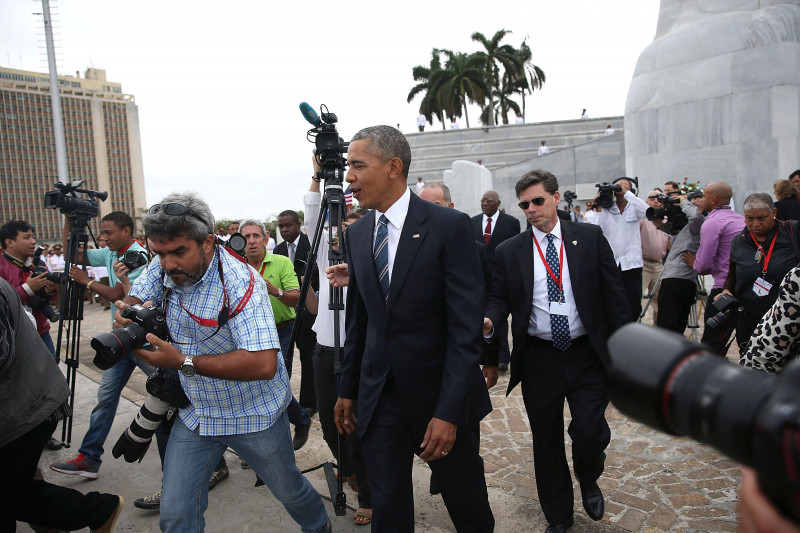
(439, 439)
(338, 275)
(756, 513)
(121, 271)
(688, 258)
(490, 373)
(37, 282)
(271, 289)
(161, 353)
(724, 291)
(343, 416)
(487, 326)
(78, 274)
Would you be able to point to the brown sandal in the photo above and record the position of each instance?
(362, 517)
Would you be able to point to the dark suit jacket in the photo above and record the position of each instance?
(596, 285)
(505, 228)
(306, 338)
(426, 337)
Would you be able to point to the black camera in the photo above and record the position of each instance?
(677, 387)
(65, 200)
(133, 259)
(694, 194)
(728, 307)
(605, 194)
(111, 346)
(237, 243)
(41, 300)
(569, 197)
(329, 147)
(673, 217)
(165, 396)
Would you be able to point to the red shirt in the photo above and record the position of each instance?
(16, 277)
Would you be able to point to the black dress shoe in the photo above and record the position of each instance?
(560, 528)
(593, 502)
(53, 444)
(502, 367)
(300, 436)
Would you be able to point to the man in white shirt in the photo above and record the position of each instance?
(591, 213)
(270, 241)
(520, 120)
(543, 150)
(609, 130)
(421, 121)
(584, 114)
(620, 224)
(453, 123)
(420, 184)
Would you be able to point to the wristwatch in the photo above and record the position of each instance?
(188, 369)
(280, 294)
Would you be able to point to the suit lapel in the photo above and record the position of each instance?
(572, 249)
(360, 239)
(525, 258)
(411, 238)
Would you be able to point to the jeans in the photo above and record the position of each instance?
(190, 461)
(48, 341)
(114, 380)
(297, 415)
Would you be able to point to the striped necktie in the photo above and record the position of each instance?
(559, 324)
(381, 256)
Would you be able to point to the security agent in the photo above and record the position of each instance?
(34, 399)
(224, 342)
(564, 292)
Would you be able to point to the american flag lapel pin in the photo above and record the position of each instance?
(574, 243)
(415, 236)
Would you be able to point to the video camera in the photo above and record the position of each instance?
(41, 300)
(671, 210)
(606, 190)
(676, 386)
(569, 197)
(111, 346)
(329, 147)
(65, 199)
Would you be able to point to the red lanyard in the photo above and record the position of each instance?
(121, 252)
(263, 268)
(769, 254)
(557, 280)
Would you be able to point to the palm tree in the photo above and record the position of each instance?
(532, 76)
(494, 53)
(462, 77)
(422, 74)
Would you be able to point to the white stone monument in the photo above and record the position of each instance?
(467, 182)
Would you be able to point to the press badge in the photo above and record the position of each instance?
(762, 287)
(559, 308)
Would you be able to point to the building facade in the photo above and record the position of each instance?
(101, 126)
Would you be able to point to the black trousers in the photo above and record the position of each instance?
(675, 299)
(351, 458)
(390, 443)
(306, 343)
(549, 376)
(716, 338)
(632, 279)
(38, 502)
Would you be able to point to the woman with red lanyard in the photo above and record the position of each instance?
(761, 255)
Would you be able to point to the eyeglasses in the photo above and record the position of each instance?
(538, 201)
(174, 210)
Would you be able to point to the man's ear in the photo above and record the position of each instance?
(396, 168)
(208, 244)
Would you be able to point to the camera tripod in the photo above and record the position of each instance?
(694, 311)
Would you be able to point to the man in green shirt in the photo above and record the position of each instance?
(284, 293)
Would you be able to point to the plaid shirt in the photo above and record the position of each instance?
(221, 406)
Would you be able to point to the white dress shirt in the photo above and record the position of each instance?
(622, 231)
(539, 322)
(396, 215)
(494, 221)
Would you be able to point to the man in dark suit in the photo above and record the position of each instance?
(411, 352)
(296, 246)
(492, 228)
(565, 295)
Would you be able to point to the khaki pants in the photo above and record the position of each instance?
(650, 272)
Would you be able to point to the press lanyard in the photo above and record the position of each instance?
(769, 254)
(557, 280)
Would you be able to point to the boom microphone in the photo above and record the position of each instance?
(310, 115)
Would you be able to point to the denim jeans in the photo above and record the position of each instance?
(114, 380)
(297, 415)
(191, 459)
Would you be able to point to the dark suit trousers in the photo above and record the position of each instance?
(632, 279)
(675, 299)
(390, 443)
(548, 377)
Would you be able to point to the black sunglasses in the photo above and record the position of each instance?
(174, 210)
(538, 201)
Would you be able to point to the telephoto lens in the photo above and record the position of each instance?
(111, 346)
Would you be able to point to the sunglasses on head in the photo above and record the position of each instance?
(538, 201)
(174, 210)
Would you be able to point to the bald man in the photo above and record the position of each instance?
(713, 256)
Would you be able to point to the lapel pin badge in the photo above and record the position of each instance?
(415, 236)
(574, 243)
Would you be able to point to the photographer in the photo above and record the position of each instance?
(223, 340)
(620, 226)
(761, 256)
(19, 246)
(654, 248)
(34, 398)
(117, 229)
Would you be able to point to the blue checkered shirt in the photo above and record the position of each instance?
(221, 406)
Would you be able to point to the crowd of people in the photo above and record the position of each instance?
(398, 344)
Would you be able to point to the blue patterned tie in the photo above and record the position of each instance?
(559, 324)
(381, 256)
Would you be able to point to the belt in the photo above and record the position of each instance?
(285, 324)
(653, 260)
(544, 342)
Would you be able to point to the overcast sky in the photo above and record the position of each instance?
(218, 83)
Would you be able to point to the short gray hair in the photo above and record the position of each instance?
(386, 142)
(759, 200)
(196, 224)
(256, 223)
(442, 187)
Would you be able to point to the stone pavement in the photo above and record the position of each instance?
(652, 482)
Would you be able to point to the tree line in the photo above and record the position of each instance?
(492, 78)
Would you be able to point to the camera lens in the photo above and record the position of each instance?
(111, 346)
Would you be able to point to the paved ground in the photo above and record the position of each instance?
(652, 482)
